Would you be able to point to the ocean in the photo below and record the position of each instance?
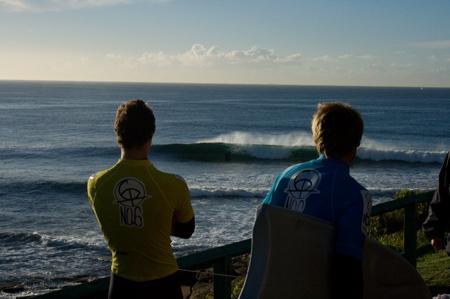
(228, 141)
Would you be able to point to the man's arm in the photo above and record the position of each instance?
(183, 220)
(183, 229)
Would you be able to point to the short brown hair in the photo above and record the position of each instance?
(134, 124)
(337, 129)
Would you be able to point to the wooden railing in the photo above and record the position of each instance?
(220, 257)
(408, 203)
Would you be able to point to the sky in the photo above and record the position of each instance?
(360, 42)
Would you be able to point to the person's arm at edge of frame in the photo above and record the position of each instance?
(439, 208)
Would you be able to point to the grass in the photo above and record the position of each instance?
(435, 268)
(236, 287)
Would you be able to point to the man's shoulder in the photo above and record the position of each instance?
(102, 178)
(163, 175)
(299, 167)
(98, 176)
(95, 182)
(350, 189)
(167, 178)
(353, 184)
(102, 174)
(174, 179)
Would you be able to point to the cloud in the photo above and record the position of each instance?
(345, 56)
(201, 55)
(58, 5)
(437, 44)
(209, 64)
(291, 58)
(366, 57)
(253, 54)
(401, 66)
(324, 58)
(14, 5)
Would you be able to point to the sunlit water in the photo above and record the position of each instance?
(228, 142)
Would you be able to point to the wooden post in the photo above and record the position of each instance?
(410, 234)
(222, 284)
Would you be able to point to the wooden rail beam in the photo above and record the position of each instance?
(410, 234)
(222, 282)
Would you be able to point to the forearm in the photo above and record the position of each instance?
(437, 221)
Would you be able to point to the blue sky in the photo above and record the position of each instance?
(388, 43)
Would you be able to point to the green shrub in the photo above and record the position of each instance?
(393, 222)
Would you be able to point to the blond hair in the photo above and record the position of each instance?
(337, 129)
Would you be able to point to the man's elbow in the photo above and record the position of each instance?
(184, 230)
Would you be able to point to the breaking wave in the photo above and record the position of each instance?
(240, 147)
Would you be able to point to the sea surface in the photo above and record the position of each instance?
(228, 142)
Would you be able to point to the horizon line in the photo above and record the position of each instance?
(223, 83)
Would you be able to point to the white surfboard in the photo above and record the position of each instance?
(291, 258)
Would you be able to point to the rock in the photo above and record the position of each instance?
(201, 290)
(12, 288)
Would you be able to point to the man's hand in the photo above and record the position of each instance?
(437, 243)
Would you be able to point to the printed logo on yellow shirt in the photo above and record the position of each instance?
(130, 194)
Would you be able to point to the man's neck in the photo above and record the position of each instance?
(346, 158)
(135, 153)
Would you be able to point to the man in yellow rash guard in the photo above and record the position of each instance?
(138, 208)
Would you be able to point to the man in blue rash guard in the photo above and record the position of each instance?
(323, 188)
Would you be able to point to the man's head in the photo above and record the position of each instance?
(134, 124)
(337, 129)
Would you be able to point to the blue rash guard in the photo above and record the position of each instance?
(323, 188)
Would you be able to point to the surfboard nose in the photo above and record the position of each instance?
(289, 259)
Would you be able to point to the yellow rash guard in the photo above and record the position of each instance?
(135, 204)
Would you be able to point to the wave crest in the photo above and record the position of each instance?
(411, 156)
(19, 238)
(292, 139)
(61, 242)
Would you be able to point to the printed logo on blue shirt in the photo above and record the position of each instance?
(301, 185)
